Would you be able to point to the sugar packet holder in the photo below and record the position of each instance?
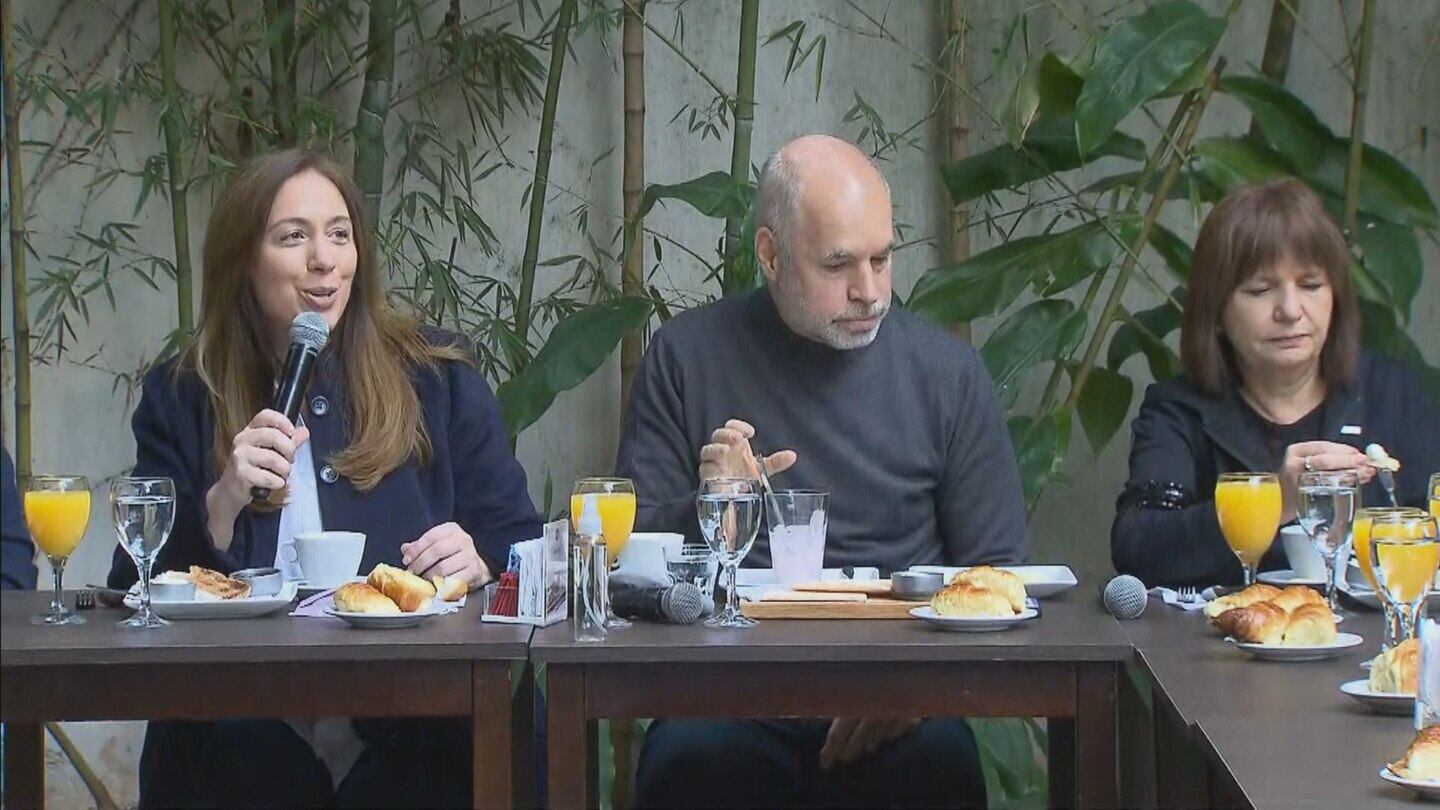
(537, 570)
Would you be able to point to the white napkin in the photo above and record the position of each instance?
(1171, 597)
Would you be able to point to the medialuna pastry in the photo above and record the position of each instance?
(1422, 758)
(1259, 592)
(968, 599)
(1397, 669)
(1297, 595)
(449, 589)
(1268, 623)
(360, 597)
(995, 579)
(405, 589)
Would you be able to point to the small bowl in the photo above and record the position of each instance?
(172, 591)
(263, 581)
(915, 585)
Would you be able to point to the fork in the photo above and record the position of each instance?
(1188, 595)
(85, 600)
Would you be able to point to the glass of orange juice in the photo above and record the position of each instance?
(1404, 554)
(1435, 496)
(57, 510)
(615, 501)
(1248, 506)
(1360, 536)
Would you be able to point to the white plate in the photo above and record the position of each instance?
(971, 624)
(1379, 702)
(247, 608)
(1430, 790)
(1285, 577)
(1040, 580)
(384, 621)
(1284, 652)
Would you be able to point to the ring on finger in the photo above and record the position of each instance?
(1308, 468)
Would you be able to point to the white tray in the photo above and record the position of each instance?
(247, 608)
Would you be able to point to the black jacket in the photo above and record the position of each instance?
(471, 477)
(1165, 529)
(17, 553)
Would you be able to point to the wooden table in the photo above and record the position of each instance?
(1231, 730)
(1061, 666)
(274, 666)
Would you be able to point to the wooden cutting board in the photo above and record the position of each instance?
(872, 608)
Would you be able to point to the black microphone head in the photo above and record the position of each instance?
(682, 603)
(310, 330)
(1125, 597)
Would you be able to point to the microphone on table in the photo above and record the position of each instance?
(308, 335)
(681, 603)
(1125, 597)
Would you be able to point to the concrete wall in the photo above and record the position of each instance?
(81, 421)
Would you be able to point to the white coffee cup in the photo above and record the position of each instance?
(1305, 559)
(329, 559)
(648, 549)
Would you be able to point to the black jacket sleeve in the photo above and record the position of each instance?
(655, 451)
(1165, 531)
(17, 553)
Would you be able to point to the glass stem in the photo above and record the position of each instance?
(732, 599)
(1332, 560)
(144, 567)
(1392, 621)
(57, 568)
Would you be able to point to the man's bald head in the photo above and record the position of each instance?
(817, 162)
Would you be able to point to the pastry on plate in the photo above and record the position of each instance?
(215, 585)
(1294, 596)
(1260, 623)
(449, 589)
(970, 600)
(405, 589)
(1310, 625)
(361, 597)
(1422, 758)
(1259, 592)
(995, 579)
(1397, 669)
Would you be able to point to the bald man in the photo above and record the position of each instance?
(894, 417)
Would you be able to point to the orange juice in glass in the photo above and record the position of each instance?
(1360, 532)
(57, 510)
(1435, 496)
(1248, 507)
(1405, 554)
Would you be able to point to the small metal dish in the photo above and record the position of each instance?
(171, 591)
(917, 586)
(263, 581)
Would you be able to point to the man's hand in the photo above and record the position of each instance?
(728, 455)
(446, 550)
(851, 738)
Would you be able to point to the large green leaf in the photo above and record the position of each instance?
(1145, 332)
(1174, 250)
(1047, 87)
(1015, 777)
(713, 195)
(1388, 189)
(1044, 330)
(1137, 59)
(1039, 444)
(576, 348)
(1391, 254)
(989, 282)
(1228, 163)
(1049, 147)
(1104, 403)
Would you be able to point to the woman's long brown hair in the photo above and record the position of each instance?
(377, 347)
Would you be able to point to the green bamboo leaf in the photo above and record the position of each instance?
(989, 282)
(1174, 250)
(1228, 163)
(1103, 405)
(1145, 332)
(1039, 444)
(1049, 147)
(1289, 126)
(1137, 59)
(1391, 254)
(576, 348)
(1044, 330)
(1369, 288)
(713, 195)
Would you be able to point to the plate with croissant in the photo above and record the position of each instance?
(1419, 768)
(979, 599)
(1280, 624)
(392, 598)
(1390, 689)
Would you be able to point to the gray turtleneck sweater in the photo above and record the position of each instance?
(906, 434)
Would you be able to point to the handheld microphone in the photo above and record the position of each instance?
(308, 335)
(681, 603)
(1125, 597)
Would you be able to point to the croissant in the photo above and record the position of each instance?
(1397, 669)
(360, 597)
(405, 589)
(995, 579)
(966, 599)
(1422, 758)
(1259, 592)
(1260, 623)
(1310, 624)
(1297, 595)
(449, 589)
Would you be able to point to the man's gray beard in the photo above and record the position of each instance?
(821, 328)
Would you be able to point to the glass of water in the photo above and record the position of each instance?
(729, 510)
(144, 512)
(694, 564)
(1325, 510)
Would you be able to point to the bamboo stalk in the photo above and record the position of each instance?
(1157, 204)
(957, 138)
(280, 14)
(744, 126)
(559, 42)
(92, 780)
(632, 271)
(1361, 90)
(19, 280)
(375, 107)
(173, 122)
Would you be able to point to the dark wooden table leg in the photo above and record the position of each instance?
(490, 727)
(569, 740)
(1137, 730)
(523, 736)
(1060, 759)
(1098, 782)
(1180, 777)
(24, 765)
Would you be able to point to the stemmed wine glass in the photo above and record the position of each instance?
(1247, 505)
(144, 512)
(1325, 509)
(1404, 554)
(730, 514)
(57, 510)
